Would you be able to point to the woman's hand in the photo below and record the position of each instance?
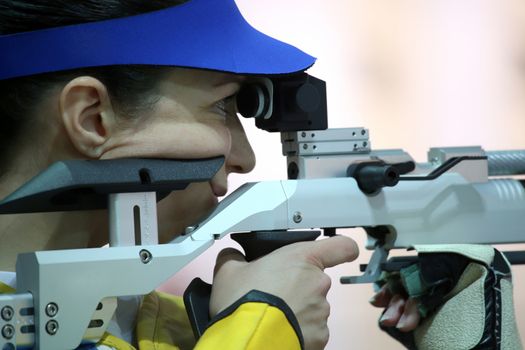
(399, 312)
(294, 273)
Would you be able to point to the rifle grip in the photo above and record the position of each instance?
(260, 243)
(255, 244)
(197, 302)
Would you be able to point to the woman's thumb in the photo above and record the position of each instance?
(226, 256)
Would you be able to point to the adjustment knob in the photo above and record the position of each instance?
(307, 98)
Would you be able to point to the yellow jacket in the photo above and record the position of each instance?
(256, 321)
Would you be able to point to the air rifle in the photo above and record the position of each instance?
(335, 181)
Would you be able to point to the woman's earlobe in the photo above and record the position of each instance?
(87, 115)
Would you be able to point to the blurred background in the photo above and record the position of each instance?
(418, 74)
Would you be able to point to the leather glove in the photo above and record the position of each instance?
(464, 295)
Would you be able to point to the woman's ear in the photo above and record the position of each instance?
(87, 115)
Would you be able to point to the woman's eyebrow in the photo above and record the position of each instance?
(228, 88)
(227, 79)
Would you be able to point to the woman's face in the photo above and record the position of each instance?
(193, 118)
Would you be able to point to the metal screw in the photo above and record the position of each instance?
(363, 132)
(7, 313)
(51, 309)
(190, 229)
(8, 331)
(52, 327)
(303, 134)
(297, 217)
(305, 146)
(365, 144)
(145, 256)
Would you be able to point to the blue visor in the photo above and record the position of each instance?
(205, 34)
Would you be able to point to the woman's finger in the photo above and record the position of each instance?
(381, 298)
(410, 318)
(393, 312)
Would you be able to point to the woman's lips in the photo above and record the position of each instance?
(219, 190)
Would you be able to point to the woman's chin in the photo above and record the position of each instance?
(175, 214)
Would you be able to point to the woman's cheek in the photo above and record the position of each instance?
(203, 140)
(181, 140)
(209, 141)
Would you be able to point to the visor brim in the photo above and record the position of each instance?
(204, 34)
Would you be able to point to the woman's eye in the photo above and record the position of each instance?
(226, 105)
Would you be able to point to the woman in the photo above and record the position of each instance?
(55, 108)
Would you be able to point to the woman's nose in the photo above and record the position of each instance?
(241, 158)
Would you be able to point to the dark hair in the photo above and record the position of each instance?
(130, 87)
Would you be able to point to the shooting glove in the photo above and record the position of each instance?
(464, 295)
